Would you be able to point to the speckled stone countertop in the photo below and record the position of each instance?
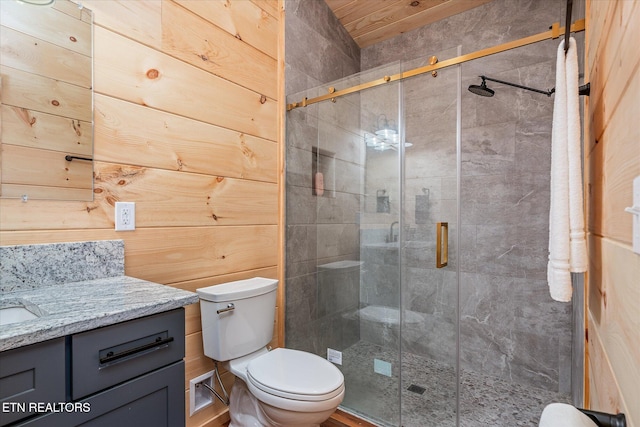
(75, 287)
(43, 265)
(81, 306)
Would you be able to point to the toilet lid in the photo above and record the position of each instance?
(296, 375)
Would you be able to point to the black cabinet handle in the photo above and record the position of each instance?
(159, 342)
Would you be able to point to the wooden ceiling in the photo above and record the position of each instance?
(372, 21)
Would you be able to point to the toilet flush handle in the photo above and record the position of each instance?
(230, 307)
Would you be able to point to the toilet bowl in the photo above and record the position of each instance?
(287, 388)
(278, 388)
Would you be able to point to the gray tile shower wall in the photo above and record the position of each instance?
(321, 231)
(319, 49)
(510, 328)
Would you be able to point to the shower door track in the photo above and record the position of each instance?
(554, 32)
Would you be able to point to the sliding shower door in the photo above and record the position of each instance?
(403, 368)
(371, 241)
(343, 230)
(374, 378)
(429, 246)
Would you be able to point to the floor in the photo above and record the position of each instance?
(485, 400)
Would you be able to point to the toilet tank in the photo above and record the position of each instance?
(245, 320)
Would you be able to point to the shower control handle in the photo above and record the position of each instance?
(230, 307)
(442, 244)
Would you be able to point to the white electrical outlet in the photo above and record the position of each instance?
(125, 216)
(199, 396)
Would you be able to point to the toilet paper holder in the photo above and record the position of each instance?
(602, 419)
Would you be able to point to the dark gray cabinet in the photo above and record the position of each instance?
(127, 374)
(35, 373)
(155, 399)
(108, 356)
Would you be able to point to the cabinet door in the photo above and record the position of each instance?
(31, 375)
(155, 399)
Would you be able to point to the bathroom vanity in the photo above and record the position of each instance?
(99, 352)
(130, 373)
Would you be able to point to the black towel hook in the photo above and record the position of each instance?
(567, 26)
(69, 158)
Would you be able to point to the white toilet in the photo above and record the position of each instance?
(283, 387)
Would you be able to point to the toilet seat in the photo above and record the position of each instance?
(295, 376)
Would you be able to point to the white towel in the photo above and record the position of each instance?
(578, 259)
(567, 247)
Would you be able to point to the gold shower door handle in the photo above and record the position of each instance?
(442, 244)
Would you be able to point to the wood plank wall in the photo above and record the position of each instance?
(188, 125)
(612, 146)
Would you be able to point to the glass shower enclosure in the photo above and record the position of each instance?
(379, 168)
(416, 246)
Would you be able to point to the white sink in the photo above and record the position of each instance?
(15, 314)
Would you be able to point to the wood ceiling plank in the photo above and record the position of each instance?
(428, 16)
(334, 5)
(372, 21)
(359, 9)
(390, 15)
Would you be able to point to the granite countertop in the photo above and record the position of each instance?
(81, 306)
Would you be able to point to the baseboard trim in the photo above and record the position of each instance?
(341, 418)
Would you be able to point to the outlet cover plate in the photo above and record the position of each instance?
(125, 217)
(200, 397)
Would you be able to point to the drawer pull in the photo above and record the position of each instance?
(159, 342)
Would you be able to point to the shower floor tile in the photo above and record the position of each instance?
(485, 401)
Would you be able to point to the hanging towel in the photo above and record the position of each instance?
(578, 259)
(567, 247)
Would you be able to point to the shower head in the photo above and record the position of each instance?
(482, 89)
